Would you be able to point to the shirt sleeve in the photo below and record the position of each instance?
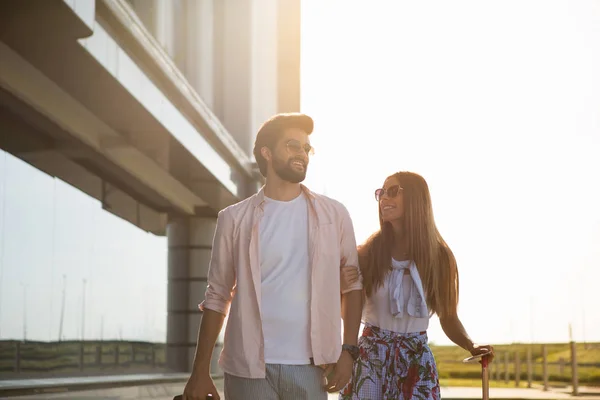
(221, 271)
(349, 253)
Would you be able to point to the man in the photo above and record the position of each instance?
(276, 260)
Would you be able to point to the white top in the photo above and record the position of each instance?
(285, 271)
(399, 305)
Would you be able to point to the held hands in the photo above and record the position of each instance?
(336, 376)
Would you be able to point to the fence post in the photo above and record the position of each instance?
(117, 354)
(561, 366)
(529, 367)
(545, 366)
(17, 356)
(99, 355)
(81, 355)
(497, 371)
(574, 374)
(506, 367)
(517, 368)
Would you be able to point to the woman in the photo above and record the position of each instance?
(409, 273)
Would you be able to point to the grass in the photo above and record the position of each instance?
(50, 358)
(64, 358)
(451, 369)
(477, 383)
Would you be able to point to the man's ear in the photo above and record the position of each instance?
(266, 153)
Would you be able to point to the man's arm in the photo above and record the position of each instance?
(221, 281)
(351, 305)
(351, 314)
(200, 384)
(351, 291)
(210, 327)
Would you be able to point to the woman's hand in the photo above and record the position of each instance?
(477, 349)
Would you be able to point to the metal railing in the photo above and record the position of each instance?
(68, 357)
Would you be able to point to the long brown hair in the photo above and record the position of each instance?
(426, 247)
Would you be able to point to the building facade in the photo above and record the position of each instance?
(150, 107)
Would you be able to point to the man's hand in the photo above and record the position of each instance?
(342, 372)
(199, 387)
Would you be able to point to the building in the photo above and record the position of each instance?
(150, 106)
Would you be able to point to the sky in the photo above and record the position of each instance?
(52, 236)
(496, 104)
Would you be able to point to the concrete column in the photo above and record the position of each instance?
(190, 245)
(200, 61)
(233, 69)
(264, 61)
(164, 29)
(288, 55)
(146, 11)
(256, 63)
(163, 18)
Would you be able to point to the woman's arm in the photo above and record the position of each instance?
(456, 332)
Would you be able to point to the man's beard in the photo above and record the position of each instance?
(288, 173)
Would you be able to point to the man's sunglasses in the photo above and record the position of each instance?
(391, 192)
(294, 147)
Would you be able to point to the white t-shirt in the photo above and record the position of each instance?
(286, 275)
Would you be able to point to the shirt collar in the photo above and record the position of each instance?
(259, 199)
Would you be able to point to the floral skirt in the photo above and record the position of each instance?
(392, 366)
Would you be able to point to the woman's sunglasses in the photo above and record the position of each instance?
(391, 192)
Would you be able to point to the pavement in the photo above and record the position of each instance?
(166, 386)
(517, 393)
(467, 393)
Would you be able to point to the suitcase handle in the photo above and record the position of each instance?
(485, 379)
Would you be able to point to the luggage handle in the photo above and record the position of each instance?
(485, 378)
